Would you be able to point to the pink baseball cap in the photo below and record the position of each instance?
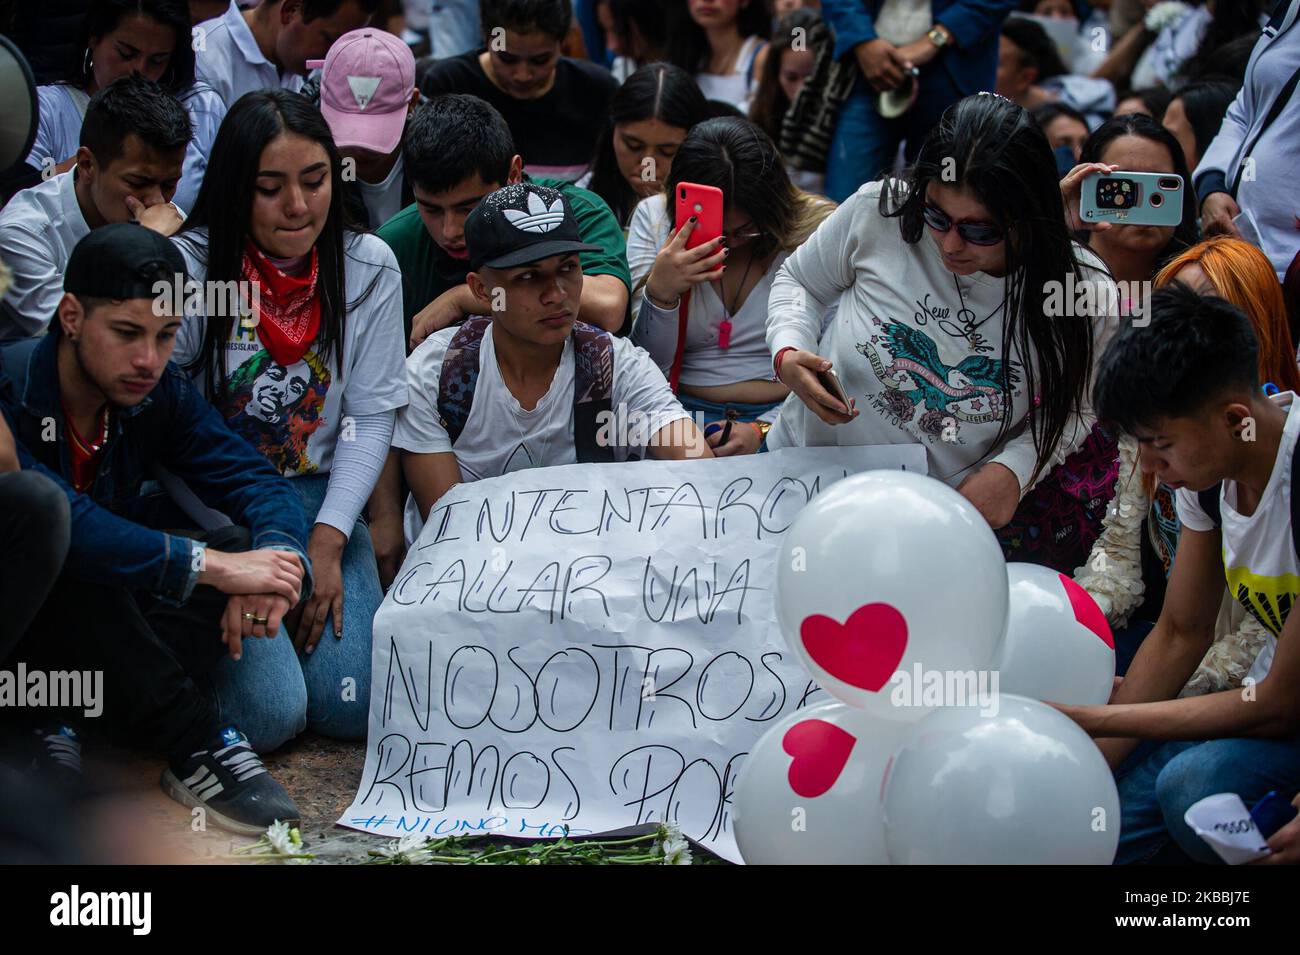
(365, 88)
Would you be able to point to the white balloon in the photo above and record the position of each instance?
(1024, 787)
(809, 791)
(884, 571)
(1058, 645)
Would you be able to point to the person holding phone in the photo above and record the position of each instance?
(1132, 143)
(530, 401)
(945, 335)
(757, 218)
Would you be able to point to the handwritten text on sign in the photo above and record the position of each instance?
(590, 647)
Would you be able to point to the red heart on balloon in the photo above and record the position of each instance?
(864, 650)
(820, 750)
(1086, 611)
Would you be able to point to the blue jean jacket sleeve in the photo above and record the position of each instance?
(972, 22)
(228, 474)
(852, 24)
(108, 549)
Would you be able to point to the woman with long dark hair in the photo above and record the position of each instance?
(119, 37)
(722, 43)
(787, 67)
(1196, 112)
(649, 117)
(722, 369)
(310, 370)
(958, 325)
(636, 32)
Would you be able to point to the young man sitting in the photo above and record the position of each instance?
(268, 46)
(366, 93)
(132, 149)
(1186, 387)
(96, 408)
(555, 106)
(527, 387)
(458, 149)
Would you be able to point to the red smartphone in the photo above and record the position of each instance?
(706, 204)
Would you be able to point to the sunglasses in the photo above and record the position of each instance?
(744, 234)
(976, 233)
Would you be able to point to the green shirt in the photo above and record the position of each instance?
(428, 272)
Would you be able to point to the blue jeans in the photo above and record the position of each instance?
(707, 412)
(1154, 794)
(865, 143)
(273, 693)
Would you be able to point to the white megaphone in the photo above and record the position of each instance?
(19, 116)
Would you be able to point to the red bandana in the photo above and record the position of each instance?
(288, 311)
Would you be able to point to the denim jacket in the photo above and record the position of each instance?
(173, 427)
(974, 24)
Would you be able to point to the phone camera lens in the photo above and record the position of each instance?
(1157, 199)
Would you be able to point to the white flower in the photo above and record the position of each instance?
(408, 850)
(1165, 14)
(677, 851)
(280, 836)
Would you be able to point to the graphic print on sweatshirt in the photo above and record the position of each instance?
(276, 409)
(924, 395)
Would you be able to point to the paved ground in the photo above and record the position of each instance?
(141, 824)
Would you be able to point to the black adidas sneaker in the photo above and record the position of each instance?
(230, 783)
(55, 753)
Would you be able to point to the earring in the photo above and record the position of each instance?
(87, 64)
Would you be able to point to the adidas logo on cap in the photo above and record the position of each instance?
(539, 218)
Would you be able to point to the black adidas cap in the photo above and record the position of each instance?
(122, 261)
(521, 224)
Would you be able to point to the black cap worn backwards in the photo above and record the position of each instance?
(123, 261)
(521, 224)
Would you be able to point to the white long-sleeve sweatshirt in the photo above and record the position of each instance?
(916, 346)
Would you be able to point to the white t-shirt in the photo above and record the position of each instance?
(704, 363)
(919, 348)
(1259, 558)
(500, 437)
(293, 415)
(736, 87)
(383, 199)
(38, 229)
(63, 109)
(227, 58)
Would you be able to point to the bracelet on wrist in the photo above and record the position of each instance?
(661, 305)
(776, 362)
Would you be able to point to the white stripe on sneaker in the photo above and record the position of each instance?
(200, 775)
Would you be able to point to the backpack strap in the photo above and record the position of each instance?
(1209, 501)
(753, 60)
(593, 384)
(593, 390)
(1295, 500)
(459, 375)
(1283, 97)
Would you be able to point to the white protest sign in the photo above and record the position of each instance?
(590, 646)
